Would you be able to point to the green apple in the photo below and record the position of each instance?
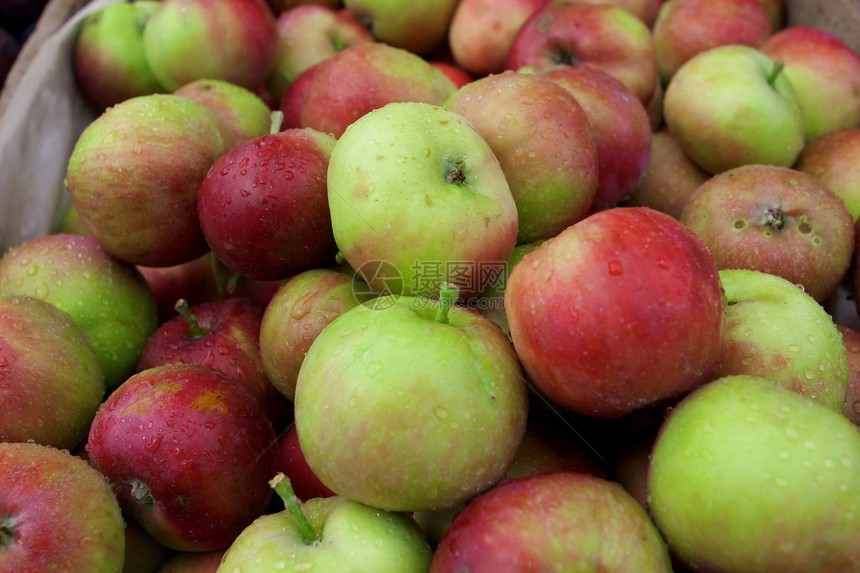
(415, 26)
(327, 535)
(245, 113)
(407, 404)
(776, 330)
(748, 476)
(417, 186)
(491, 304)
(731, 106)
(108, 299)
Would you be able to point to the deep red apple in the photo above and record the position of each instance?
(196, 281)
(291, 461)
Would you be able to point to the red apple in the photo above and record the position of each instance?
(834, 158)
(242, 110)
(294, 97)
(455, 73)
(291, 461)
(851, 339)
(198, 280)
(618, 311)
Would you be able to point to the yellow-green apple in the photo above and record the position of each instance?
(108, 59)
(245, 113)
(235, 41)
(670, 179)
(491, 303)
(307, 35)
(776, 220)
(619, 311)
(645, 10)
(188, 451)
(498, 20)
(748, 476)
(457, 390)
(542, 139)
(291, 461)
(56, 513)
(685, 28)
(833, 158)
(134, 174)
(328, 534)
(365, 77)
(51, 381)
(416, 186)
(851, 339)
(301, 308)
(263, 206)
(194, 562)
(108, 299)
(825, 74)
(620, 127)
(777, 331)
(199, 280)
(731, 106)
(418, 27)
(561, 521)
(222, 334)
(603, 36)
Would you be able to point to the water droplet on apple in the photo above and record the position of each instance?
(303, 566)
(280, 566)
(153, 444)
(615, 268)
(441, 413)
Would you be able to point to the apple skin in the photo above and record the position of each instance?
(396, 183)
(245, 113)
(454, 379)
(729, 108)
(56, 513)
(618, 311)
(620, 127)
(235, 41)
(491, 303)
(564, 521)
(279, 6)
(777, 331)
(825, 74)
(143, 554)
(645, 10)
(365, 77)
(851, 339)
(188, 451)
(52, 381)
(294, 97)
(228, 340)
(109, 63)
(670, 179)
(543, 141)
(301, 308)
(775, 220)
(198, 280)
(833, 158)
(603, 36)
(685, 28)
(194, 562)
(108, 299)
(307, 35)
(455, 73)
(417, 27)
(748, 476)
(291, 461)
(134, 175)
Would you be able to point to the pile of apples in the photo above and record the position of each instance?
(448, 286)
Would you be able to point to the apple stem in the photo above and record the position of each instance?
(277, 122)
(777, 68)
(141, 493)
(7, 532)
(185, 312)
(774, 218)
(447, 296)
(281, 484)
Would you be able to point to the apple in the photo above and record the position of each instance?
(401, 371)
(108, 299)
(825, 74)
(731, 106)
(199, 280)
(328, 534)
(670, 179)
(542, 139)
(56, 513)
(307, 35)
(749, 476)
(188, 451)
(645, 10)
(418, 27)
(833, 159)
(619, 311)
(245, 113)
(629, 464)
(851, 339)
(263, 206)
(143, 554)
(685, 28)
(552, 522)
(455, 73)
(620, 127)
(279, 6)
(294, 96)
(491, 303)
(194, 562)
(222, 334)
(234, 41)
(109, 63)
(291, 461)
(134, 173)
(301, 308)
(603, 36)
(776, 331)
(365, 77)
(776, 12)
(417, 187)
(51, 381)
